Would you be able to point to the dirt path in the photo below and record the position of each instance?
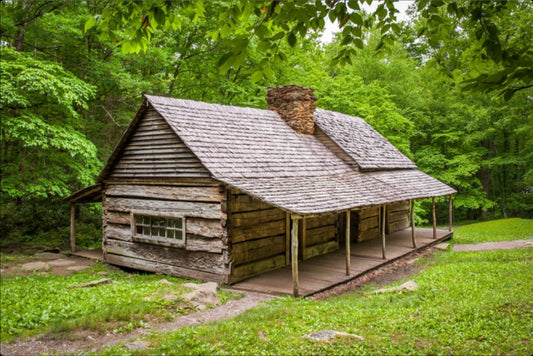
(92, 342)
(498, 245)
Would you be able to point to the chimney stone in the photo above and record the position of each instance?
(295, 104)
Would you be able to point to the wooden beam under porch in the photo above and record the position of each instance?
(322, 272)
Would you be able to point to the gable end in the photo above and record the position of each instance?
(153, 150)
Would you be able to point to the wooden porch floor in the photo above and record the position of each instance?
(92, 254)
(322, 272)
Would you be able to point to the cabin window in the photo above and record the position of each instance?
(165, 230)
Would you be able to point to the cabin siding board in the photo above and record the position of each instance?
(257, 235)
(152, 141)
(204, 255)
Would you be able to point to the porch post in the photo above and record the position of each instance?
(304, 237)
(348, 243)
(383, 211)
(294, 256)
(434, 217)
(413, 235)
(72, 227)
(287, 238)
(450, 213)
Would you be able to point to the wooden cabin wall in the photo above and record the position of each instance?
(154, 151)
(368, 223)
(320, 236)
(397, 216)
(257, 236)
(369, 220)
(205, 255)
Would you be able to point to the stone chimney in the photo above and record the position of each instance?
(295, 104)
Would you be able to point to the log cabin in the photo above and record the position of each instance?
(222, 193)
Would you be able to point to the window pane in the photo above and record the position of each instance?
(159, 227)
(170, 234)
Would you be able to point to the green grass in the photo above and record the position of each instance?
(468, 303)
(47, 303)
(496, 230)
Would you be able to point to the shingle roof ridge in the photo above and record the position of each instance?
(194, 104)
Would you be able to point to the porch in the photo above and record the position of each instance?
(325, 271)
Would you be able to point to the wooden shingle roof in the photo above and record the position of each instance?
(257, 152)
(365, 145)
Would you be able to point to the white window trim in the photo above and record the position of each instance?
(158, 240)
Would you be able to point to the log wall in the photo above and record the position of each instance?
(155, 151)
(257, 236)
(368, 224)
(368, 220)
(397, 216)
(205, 255)
(320, 236)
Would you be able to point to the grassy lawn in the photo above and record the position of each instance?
(468, 303)
(496, 230)
(47, 303)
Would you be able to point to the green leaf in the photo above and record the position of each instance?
(291, 39)
(356, 18)
(90, 23)
(257, 76)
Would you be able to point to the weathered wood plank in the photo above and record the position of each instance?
(202, 261)
(398, 215)
(257, 267)
(170, 181)
(150, 124)
(322, 220)
(401, 205)
(146, 166)
(243, 203)
(321, 249)
(154, 150)
(164, 136)
(188, 209)
(320, 234)
(157, 175)
(254, 250)
(145, 133)
(163, 268)
(173, 156)
(204, 227)
(368, 234)
(256, 217)
(272, 228)
(397, 226)
(154, 172)
(200, 194)
(118, 232)
(118, 217)
(200, 243)
(368, 212)
(369, 223)
(170, 142)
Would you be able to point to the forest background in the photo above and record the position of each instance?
(451, 88)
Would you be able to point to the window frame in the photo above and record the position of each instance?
(154, 239)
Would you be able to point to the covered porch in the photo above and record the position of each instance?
(325, 271)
